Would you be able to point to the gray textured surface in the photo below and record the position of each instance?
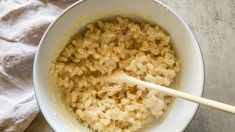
(213, 23)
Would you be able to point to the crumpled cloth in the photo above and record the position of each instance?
(22, 24)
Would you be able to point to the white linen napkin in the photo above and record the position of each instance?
(22, 24)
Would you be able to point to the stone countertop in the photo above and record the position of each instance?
(213, 23)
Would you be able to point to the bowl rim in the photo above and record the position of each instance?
(81, 1)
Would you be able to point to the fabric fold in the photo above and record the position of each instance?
(22, 24)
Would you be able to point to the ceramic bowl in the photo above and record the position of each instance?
(83, 12)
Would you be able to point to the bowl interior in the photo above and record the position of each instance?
(87, 11)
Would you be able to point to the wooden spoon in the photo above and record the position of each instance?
(120, 76)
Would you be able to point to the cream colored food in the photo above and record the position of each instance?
(141, 50)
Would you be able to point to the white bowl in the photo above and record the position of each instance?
(86, 11)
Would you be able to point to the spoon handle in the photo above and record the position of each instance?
(211, 103)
